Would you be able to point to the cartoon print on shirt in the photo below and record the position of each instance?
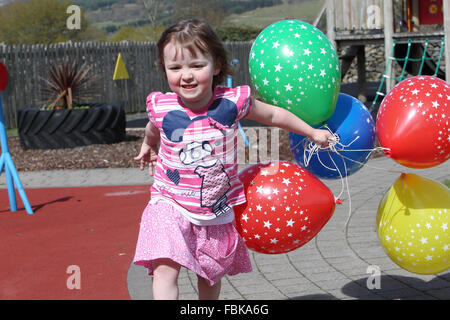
(221, 114)
(213, 193)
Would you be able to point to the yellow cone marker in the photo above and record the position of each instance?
(121, 71)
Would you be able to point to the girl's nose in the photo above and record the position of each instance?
(187, 76)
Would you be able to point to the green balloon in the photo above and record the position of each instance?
(293, 65)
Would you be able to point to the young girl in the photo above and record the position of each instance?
(189, 220)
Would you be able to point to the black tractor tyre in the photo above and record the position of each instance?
(69, 128)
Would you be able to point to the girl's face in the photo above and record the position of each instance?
(189, 77)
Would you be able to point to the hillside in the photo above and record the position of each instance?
(306, 10)
(117, 15)
(112, 14)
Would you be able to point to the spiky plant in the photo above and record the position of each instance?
(69, 79)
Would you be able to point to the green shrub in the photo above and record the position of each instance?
(238, 33)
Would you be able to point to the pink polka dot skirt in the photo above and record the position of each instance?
(209, 251)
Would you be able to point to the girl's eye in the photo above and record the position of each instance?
(198, 66)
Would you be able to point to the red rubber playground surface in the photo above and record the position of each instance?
(92, 228)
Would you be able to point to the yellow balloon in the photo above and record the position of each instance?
(412, 224)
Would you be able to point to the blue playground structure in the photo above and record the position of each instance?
(6, 161)
(234, 64)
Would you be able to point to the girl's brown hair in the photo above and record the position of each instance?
(195, 34)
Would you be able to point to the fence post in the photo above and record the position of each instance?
(446, 8)
(388, 40)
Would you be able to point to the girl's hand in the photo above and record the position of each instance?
(148, 154)
(321, 137)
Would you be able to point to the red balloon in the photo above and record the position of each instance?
(413, 122)
(286, 207)
(3, 77)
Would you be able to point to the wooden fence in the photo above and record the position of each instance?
(26, 65)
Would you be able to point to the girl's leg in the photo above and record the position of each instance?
(165, 279)
(207, 292)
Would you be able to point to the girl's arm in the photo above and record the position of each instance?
(278, 117)
(149, 149)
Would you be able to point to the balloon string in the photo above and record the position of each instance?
(334, 145)
(344, 186)
(343, 189)
(350, 214)
(365, 164)
(310, 149)
(344, 179)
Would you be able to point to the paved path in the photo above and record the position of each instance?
(334, 265)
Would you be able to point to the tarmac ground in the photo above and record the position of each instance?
(340, 263)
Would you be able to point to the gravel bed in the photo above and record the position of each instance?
(117, 155)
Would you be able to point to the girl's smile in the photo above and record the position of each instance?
(190, 74)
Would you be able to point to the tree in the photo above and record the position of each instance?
(153, 7)
(209, 10)
(144, 33)
(127, 33)
(39, 21)
(238, 33)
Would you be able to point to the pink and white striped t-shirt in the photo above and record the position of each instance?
(197, 166)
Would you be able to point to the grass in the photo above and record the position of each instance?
(447, 183)
(12, 131)
(262, 17)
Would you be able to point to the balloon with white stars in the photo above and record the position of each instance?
(353, 124)
(412, 224)
(286, 207)
(293, 65)
(413, 122)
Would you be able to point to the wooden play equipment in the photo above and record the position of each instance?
(353, 24)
